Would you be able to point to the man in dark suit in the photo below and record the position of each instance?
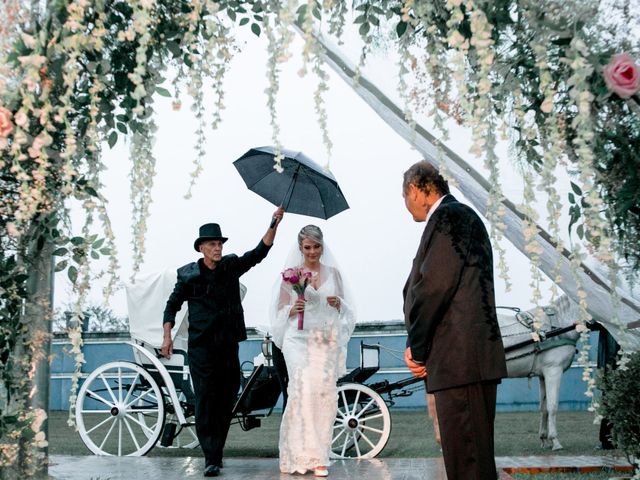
(453, 335)
(211, 288)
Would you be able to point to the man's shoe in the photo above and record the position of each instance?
(212, 471)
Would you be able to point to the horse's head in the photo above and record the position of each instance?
(562, 312)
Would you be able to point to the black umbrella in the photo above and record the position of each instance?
(303, 187)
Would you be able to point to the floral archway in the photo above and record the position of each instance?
(560, 79)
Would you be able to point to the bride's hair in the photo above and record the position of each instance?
(312, 233)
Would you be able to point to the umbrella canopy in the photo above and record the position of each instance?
(303, 187)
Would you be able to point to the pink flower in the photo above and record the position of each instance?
(36, 147)
(21, 119)
(6, 126)
(286, 275)
(622, 76)
(298, 278)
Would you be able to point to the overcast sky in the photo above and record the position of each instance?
(374, 241)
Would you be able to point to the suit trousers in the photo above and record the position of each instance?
(466, 415)
(281, 372)
(216, 379)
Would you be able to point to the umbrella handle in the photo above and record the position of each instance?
(273, 222)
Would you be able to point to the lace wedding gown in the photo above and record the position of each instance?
(315, 356)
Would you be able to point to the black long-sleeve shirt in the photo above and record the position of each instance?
(213, 296)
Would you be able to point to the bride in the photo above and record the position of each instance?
(315, 355)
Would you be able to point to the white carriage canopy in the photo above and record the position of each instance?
(146, 299)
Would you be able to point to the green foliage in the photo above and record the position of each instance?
(620, 404)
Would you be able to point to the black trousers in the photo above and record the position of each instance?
(216, 380)
(466, 415)
(281, 372)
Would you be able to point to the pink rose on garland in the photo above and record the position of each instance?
(6, 126)
(622, 75)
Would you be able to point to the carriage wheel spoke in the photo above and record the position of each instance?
(341, 413)
(192, 432)
(355, 441)
(133, 384)
(337, 436)
(106, 384)
(95, 396)
(144, 394)
(142, 425)
(100, 424)
(345, 444)
(344, 401)
(371, 429)
(119, 384)
(119, 437)
(133, 437)
(372, 417)
(367, 439)
(355, 403)
(365, 408)
(104, 440)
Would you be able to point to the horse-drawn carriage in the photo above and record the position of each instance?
(126, 407)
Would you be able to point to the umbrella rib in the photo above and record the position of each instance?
(289, 192)
(313, 180)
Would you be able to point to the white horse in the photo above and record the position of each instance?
(547, 359)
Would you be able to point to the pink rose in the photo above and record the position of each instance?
(6, 126)
(294, 279)
(21, 119)
(286, 275)
(622, 75)
(36, 147)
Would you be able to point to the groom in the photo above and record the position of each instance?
(453, 335)
(211, 288)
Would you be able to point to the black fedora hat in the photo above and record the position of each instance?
(208, 231)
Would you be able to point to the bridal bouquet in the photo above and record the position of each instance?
(299, 279)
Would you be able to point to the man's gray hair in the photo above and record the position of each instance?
(426, 177)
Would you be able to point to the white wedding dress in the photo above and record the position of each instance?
(315, 357)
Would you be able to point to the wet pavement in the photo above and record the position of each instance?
(65, 467)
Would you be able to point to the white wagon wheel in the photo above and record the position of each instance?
(362, 425)
(120, 410)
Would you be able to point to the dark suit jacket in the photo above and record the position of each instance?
(449, 302)
(215, 312)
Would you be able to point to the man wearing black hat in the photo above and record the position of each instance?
(211, 287)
